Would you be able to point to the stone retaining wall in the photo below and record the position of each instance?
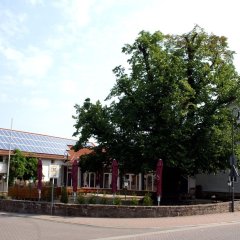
(113, 211)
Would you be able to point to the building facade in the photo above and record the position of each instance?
(56, 152)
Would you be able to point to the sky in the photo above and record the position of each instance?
(56, 53)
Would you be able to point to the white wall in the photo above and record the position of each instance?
(46, 163)
(3, 165)
(216, 182)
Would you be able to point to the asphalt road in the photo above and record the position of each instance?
(30, 227)
(27, 228)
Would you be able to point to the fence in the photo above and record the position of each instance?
(31, 192)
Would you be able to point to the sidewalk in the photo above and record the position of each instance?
(143, 223)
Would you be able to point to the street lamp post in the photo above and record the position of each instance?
(9, 157)
(233, 160)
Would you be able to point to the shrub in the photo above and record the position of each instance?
(92, 199)
(134, 200)
(47, 194)
(147, 200)
(81, 199)
(64, 195)
(3, 197)
(117, 201)
(103, 199)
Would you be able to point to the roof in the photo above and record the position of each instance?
(34, 142)
(72, 155)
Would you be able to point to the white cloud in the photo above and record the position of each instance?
(36, 65)
(12, 24)
(77, 43)
(61, 39)
(69, 87)
(29, 82)
(3, 97)
(32, 63)
(80, 12)
(8, 80)
(40, 103)
(35, 2)
(76, 12)
(55, 43)
(36, 92)
(177, 17)
(11, 54)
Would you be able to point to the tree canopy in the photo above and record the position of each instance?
(22, 167)
(173, 102)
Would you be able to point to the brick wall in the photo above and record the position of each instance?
(113, 211)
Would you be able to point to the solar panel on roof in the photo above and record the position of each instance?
(31, 149)
(4, 133)
(24, 148)
(30, 142)
(20, 135)
(2, 139)
(2, 145)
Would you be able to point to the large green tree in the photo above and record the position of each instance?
(173, 102)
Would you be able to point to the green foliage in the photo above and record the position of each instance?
(22, 167)
(117, 200)
(94, 161)
(147, 200)
(30, 168)
(17, 166)
(3, 196)
(47, 193)
(64, 195)
(173, 103)
(81, 199)
(134, 201)
(103, 199)
(92, 199)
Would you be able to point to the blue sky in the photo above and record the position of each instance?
(56, 53)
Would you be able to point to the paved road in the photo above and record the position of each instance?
(41, 227)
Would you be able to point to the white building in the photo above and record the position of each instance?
(52, 151)
(55, 151)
